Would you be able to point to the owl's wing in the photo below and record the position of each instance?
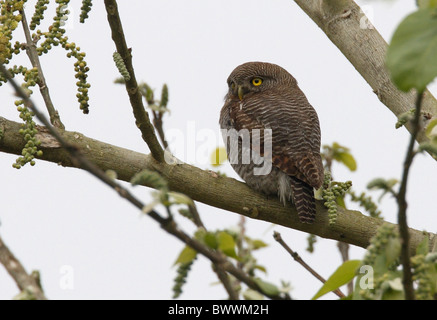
(295, 135)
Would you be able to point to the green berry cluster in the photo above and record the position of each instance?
(8, 23)
(379, 242)
(40, 8)
(29, 132)
(383, 255)
(28, 129)
(330, 193)
(85, 9)
(55, 37)
(121, 66)
(424, 273)
(367, 203)
(181, 278)
(81, 68)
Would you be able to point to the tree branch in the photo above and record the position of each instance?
(24, 281)
(407, 279)
(349, 29)
(205, 186)
(77, 158)
(277, 236)
(141, 116)
(34, 60)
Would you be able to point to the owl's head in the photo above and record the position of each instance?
(253, 77)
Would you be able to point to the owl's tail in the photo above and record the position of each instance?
(303, 199)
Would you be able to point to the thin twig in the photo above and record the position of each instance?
(407, 279)
(343, 247)
(195, 214)
(34, 60)
(298, 259)
(217, 268)
(141, 116)
(226, 281)
(24, 281)
(157, 123)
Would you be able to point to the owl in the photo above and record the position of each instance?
(272, 135)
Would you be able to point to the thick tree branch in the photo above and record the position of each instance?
(141, 116)
(204, 186)
(349, 29)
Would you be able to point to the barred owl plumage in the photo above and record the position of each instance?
(265, 96)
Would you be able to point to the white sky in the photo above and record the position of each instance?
(53, 217)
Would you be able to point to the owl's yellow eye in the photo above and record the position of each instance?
(257, 81)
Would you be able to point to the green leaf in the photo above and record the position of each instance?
(180, 198)
(255, 244)
(340, 201)
(427, 4)
(226, 244)
(187, 255)
(211, 240)
(392, 250)
(267, 287)
(381, 183)
(412, 54)
(430, 127)
(345, 273)
(261, 268)
(430, 147)
(250, 294)
(423, 247)
(149, 178)
(258, 244)
(347, 159)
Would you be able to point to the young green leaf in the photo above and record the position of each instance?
(412, 53)
(430, 128)
(267, 287)
(427, 4)
(347, 159)
(226, 244)
(423, 247)
(149, 178)
(180, 198)
(250, 294)
(345, 273)
(210, 240)
(187, 255)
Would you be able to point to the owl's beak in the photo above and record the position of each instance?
(241, 92)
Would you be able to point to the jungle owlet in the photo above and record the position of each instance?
(272, 135)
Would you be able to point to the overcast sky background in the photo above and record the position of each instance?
(59, 220)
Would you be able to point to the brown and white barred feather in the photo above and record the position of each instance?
(281, 106)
